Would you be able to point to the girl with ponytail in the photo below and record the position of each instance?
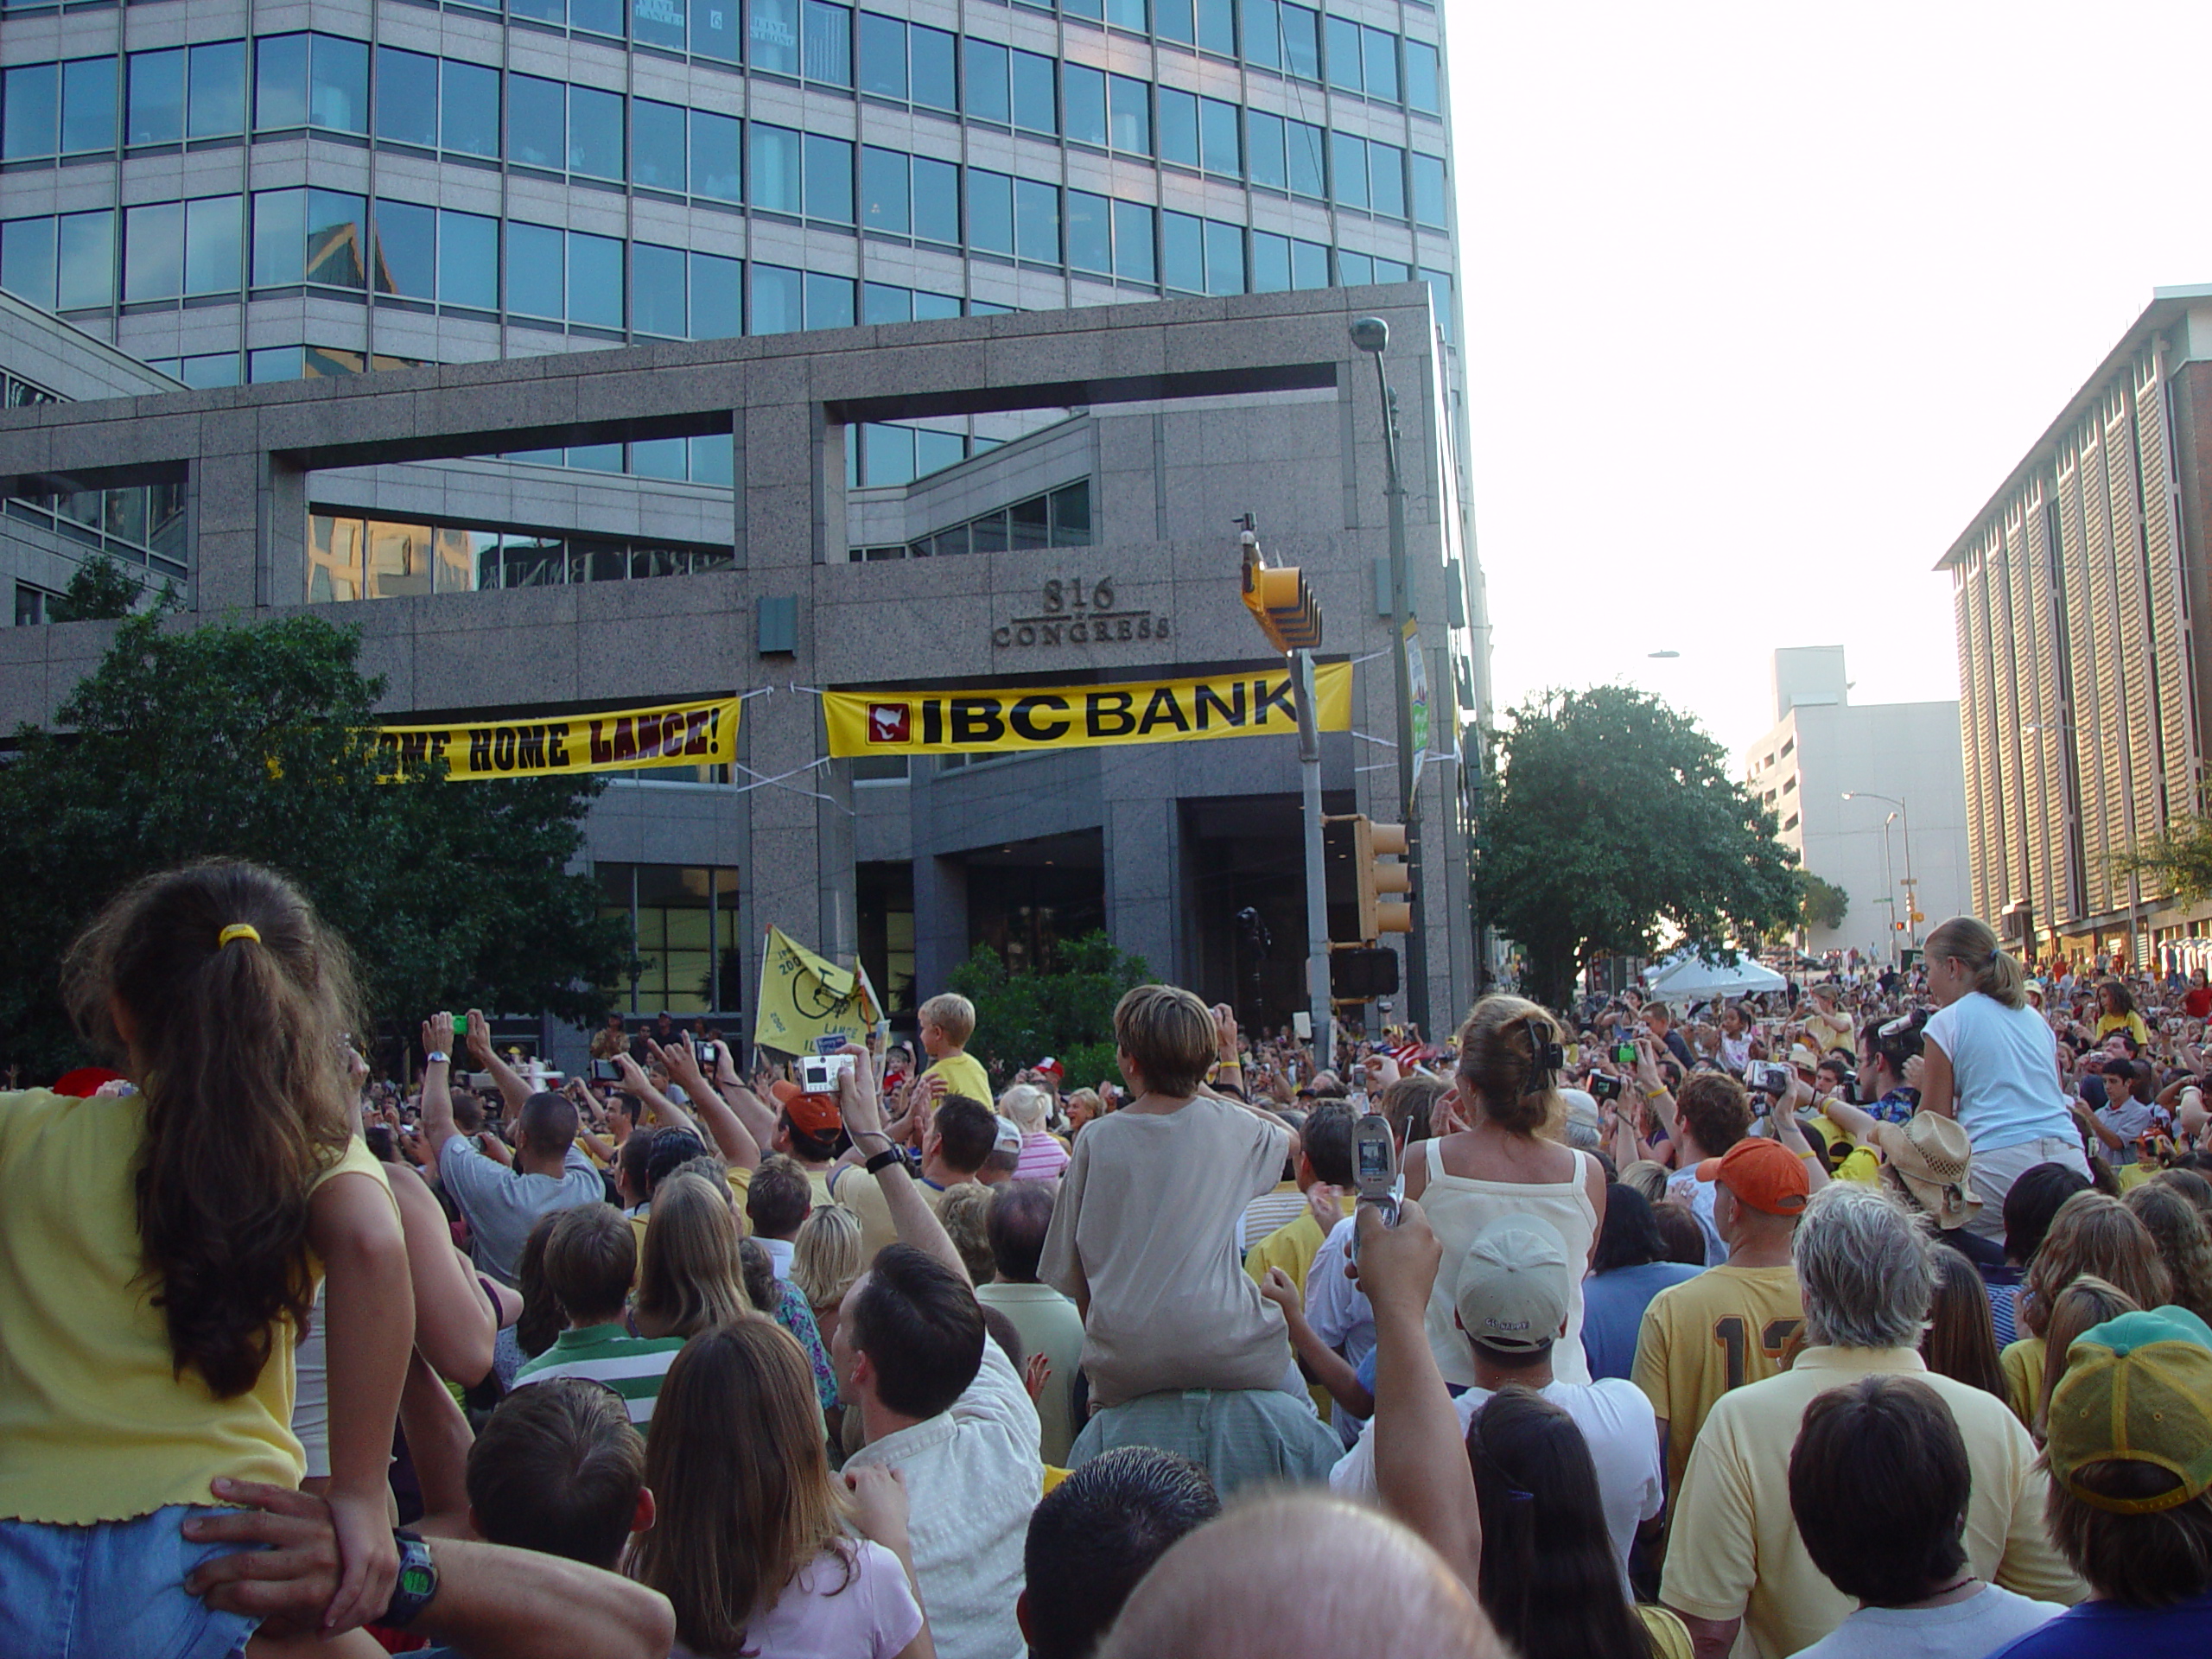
(160, 1248)
(1504, 1161)
(1991, 1062)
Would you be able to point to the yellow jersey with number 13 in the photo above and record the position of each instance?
(1726, 1327)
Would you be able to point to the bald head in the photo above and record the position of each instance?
(1301, 1577)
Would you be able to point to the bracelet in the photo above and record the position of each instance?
(1807, 1153)
(437, 1056)
(883, 1160)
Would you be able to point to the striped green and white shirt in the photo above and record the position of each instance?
(632, 1366)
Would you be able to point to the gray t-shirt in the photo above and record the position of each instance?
(1972, 1629)
(1146, 1228)
(502, 1204)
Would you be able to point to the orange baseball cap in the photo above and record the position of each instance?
(812, 1113)
(1763, 1174)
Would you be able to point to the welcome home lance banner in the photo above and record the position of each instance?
(989, 721)
(615, 739)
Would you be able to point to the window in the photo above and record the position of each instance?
(1217, 27)
(280, 81)
(1173, 19)
(657, 144)
(1264, 135)
(885, 187)
(775, 300)
(1134, 256)
(153, 252)
(717, 310)
(595, 133)
(1386, 179)
(1085, 91)
(538, 122)
(213, 231)
(714, 29)
(1224, 258)
(715, 156)
(772, 35)
(990, 212)
(1421, 89)
(1035, 102)
(829, 43)
(1430, 207)
(829, 178)
(829, 300)
(1037, 221)
(657, 290)
(279, 236)
(1309, 265)
(988, 98)
(936, 201)
(468, 260)
(1129, 109)
(775, 170)
(468, 109)
(1262, 34)
(153, 110)
(1127, 14)
(685, 932)
(886, 302)
(1182, 253)
(1270, 263)
(30, 111)
(931, 58)
(1090, 233)
(882, 56)
(87, 106)
(1344, 54)
(1379, 57)
(535, 261)
(1179, 127)
(657, 23)
(407, 97)
(337, 239)
(1219, 146)
(407, 241)
(1305, 145)
(338, 89)
(215, 90)
(1348, 160)
(596, 280)
(1301, 41)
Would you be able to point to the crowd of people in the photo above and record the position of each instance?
(1865, 1320)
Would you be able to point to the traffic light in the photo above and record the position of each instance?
(1281, 601)
(1371, 843)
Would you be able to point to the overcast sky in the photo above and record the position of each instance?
(1765, 301)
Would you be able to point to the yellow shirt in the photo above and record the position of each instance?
(964, 1074)
(95, 1425)
(1726, 1327)
(1736, 1552)
(2022, 1364)
(1670, 1638)
(860, 1192)
(2131, 1023)
(1291, 1247)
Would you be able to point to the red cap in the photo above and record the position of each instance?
(1049, 1067)
(1763, 1174)
(84, 1081)
(812, 1113)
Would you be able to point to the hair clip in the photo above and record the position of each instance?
(1550, 1056)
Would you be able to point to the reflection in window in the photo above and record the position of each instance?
(715, 156)
(936, 201)
(407, 97)
(772, 35)
(468, 109)
(683, 925)
(351, 557)
(829, 43)
(537, 122)
(406, 249)
(657, 144)
(154, 110)
(775, 171)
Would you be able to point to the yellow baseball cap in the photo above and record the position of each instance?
(2138, 1389)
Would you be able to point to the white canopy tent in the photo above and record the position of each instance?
(1691, 977)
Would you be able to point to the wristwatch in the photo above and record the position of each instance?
(437, 1056)
(418, 1585)
(883, 1160)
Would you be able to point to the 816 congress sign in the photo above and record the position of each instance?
(1080, 611)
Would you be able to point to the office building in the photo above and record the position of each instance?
(1872, 799)
(2081, 605)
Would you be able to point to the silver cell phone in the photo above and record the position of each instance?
(1375, 1172)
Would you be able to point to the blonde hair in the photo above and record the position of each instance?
(826, 1256)
(1168, 1035)
(1647, 1177)
(1502, 1049)
(2093, 1236)
(951, 1014)
(1997, 973)
(690, 1277)
(965, 1210)
(2086, 1303)
(740, 1481)
(1026, 1104)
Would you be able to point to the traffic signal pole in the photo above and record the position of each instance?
(1317, 886)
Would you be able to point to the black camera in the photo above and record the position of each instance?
(1605, 1087)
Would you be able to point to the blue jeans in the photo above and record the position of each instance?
(112, 1590)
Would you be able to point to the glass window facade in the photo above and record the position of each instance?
(683, 923)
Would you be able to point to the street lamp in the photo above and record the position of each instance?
(1911, 890)
(1372, 335)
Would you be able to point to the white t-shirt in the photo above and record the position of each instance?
(780, 1255)
(1699, 1196)
(1616, 1423)
(871, 1615)
(2004, 1072)
(1339, 1310)
(1972, 1629)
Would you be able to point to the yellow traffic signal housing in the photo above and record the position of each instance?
(1282, 603)
(1371, 843)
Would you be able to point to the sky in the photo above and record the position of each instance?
(1764, 303)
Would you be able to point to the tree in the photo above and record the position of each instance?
(1820, 903)
(255, 741)
(1065, 1011)
(101, 590)
(2178, 859)
(1614, 816)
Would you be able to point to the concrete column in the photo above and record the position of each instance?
(940, 922)
(1143, 845)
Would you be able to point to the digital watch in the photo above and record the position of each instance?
(418, 1585)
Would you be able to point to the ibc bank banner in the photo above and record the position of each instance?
(618, 740)
(1080, 716)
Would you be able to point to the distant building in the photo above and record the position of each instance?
(2081, 600)
(1820, 749)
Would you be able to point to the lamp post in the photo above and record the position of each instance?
(1912, 888)
(1372, 335)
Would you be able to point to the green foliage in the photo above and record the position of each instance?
(1066, 1012)
(2178, 860)
(1614, 816)
(101, 591)
(253, 741)
(1820, 903)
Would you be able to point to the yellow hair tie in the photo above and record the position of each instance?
(238, 930)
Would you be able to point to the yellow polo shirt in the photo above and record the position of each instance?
(2022, 1364)
(860, 1192)
(964, 1074)
(95, 1424)
(1725, 1328)
(1292, 1246)
(1735, 1552)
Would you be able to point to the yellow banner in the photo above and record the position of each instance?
(616, 740)
(805, 996)
(991, 720)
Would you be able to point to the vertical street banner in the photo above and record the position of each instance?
(523, 745)
(805, 998)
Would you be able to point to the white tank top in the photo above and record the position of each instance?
(1457, 1208)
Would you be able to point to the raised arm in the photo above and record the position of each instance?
(438, 1126)
(666, 1112)
(760, 1121)
(739, 1146)
(513, 1089)
(917, 1222)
